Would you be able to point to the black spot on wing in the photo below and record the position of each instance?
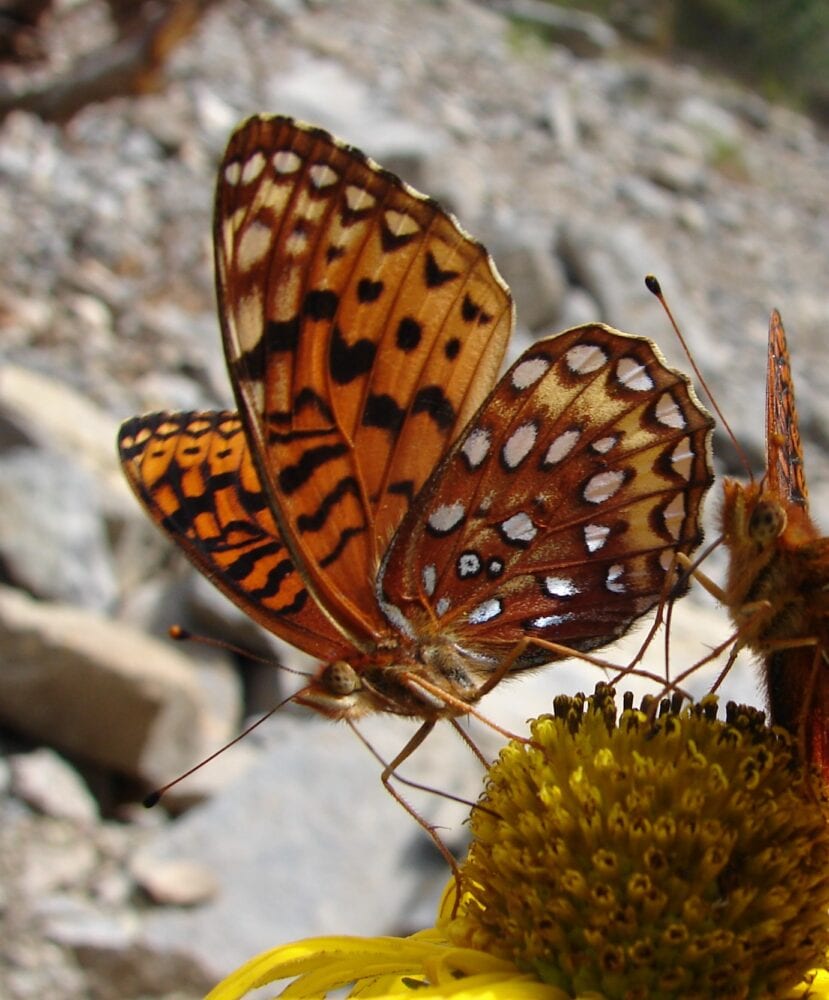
(452, 348)
(317, 520)
(349, 361)
(307, 399)
(432, 400)
(434, 275)
(282, 335)
(395, 241)
(345, 537)
(368, 290)
(470, 310)
(409, 333)
(382, 411)
(404, 488)
(292, 477)
(320, 303)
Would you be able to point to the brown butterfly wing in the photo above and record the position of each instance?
(558, 512)
(785, 476)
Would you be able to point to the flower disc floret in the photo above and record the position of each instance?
(667, 854)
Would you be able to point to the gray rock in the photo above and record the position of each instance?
(175, 883)
(534, 275)
(52, 415)
(98, 689)
(52, 536)
(306, 843)
(49, 784)
(116, 963)
(583, 33)
(718, 127)
(644, 194)
(678, 173)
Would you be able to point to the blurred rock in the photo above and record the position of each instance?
(98, 689)
(276, 843)
(175, 883)
(46, 782)
(50, 414)
(535, 277)
(52, 534)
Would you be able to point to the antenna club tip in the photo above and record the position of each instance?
(151, 800)
(177, 632)
(652, 284)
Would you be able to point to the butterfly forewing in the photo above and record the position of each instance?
(193, 472)
(362, 329)
(558, 512)
(786, 477)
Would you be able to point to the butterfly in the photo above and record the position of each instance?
(379, 499)
(777, 587)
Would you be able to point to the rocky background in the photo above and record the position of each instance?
(584, 163)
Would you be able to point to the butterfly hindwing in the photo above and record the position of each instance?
(558, 512)
(194, 475)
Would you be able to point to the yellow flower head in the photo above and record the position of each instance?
(669, 857)
(681, 857)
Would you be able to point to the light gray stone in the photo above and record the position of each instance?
(175, 883)
(44, 780)
(54, 416)
(52, 533)
(308, 842)
(98, 689)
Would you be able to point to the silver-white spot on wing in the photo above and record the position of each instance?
(252, 168)
(447, 517)
(633, 374)
(669, 413)
(518, 529)
(476, 447)
(560, 586)
(519, 444)
(613, 581)
(286, 161)
(585, 358)
(603, 486)
(595, 536)
(485, 611)
(528, 372)
(561, 447)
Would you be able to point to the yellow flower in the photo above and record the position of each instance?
(670, 857)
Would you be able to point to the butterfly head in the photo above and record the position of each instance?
(752, 518)
(429, 681)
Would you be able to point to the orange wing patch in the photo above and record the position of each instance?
(362, 329)
(193, 472)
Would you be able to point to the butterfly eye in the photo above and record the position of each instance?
(767, 522)
(340, 679)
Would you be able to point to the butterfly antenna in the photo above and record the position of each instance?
(181, 634)
(155, 797)
(653, 286)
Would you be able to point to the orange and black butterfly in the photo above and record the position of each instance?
(778, 579)
(379, 499)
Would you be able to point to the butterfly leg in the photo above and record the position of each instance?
(567, 653)
(473, 746)
(462, 707)
(692, 568)
(416, 784)
(389, 772)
